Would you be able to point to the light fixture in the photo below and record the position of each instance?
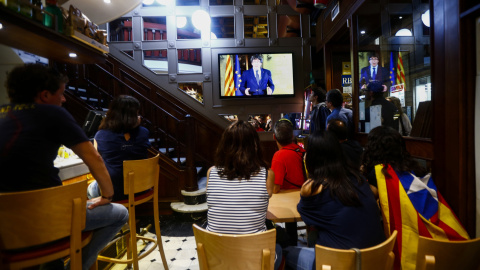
(181, 21)
(404, 33)
(107, 1)
(147, 2)
(400, 17)
(72, 55)
(1, 26)
(362, 32)
(213, 36)
(201, 20)
(426, 18)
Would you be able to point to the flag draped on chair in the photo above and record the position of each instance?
(392, 70)
(413, 206)
(400, 72)
(229, 84)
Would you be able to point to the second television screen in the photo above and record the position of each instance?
(256, 75)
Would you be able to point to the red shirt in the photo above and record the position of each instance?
(287, 164)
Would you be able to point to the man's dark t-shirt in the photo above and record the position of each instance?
(30, 135)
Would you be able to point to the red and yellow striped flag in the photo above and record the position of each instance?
(229, 83)
(400, 78)
(413, 206)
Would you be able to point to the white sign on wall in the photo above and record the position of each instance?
(398, 91)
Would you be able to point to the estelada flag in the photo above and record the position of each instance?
(413, 206)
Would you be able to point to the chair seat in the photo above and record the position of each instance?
(138, 197)
(11, 256)
(140, 176)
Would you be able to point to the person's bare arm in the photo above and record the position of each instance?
(276, 188)
(270, 182)
(95, 164)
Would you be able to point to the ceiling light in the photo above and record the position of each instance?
(107, 1)
(201, 20)
(147, 2)
(1, 26)
(362, 32)
(404, 33)
(72, 55)
(426, 18)
(181, 21)
(400, 17)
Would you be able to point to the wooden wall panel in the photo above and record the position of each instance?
(452, 97)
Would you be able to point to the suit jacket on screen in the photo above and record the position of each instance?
(382, 75)
(249, 81)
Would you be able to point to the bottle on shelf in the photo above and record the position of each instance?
(13, 5)
(37, 13)
(26, 8)
(53, 16)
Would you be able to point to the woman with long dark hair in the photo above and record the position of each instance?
(386, 146)
(120, 137)
(239, 184)
(337, 201)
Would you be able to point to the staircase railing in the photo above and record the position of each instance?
(172, 124)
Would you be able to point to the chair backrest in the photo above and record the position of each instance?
(36, 217)
(229, 251)
(440, 254)
(378, 257)
(144, 171)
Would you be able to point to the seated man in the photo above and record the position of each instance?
(335, 104)
(287, 165)
(32, 128)
(287, 162)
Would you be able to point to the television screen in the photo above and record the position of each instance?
(256, 75)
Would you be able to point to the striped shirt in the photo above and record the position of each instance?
(237, 207)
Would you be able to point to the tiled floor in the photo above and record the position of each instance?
(179, 245)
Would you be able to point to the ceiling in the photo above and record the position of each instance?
(100, 12)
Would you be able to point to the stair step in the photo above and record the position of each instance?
(200, 191)
(182, 160)
(164, 150)
(194, 197)
(185, 208)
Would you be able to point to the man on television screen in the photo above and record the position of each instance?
(257, 81)
(374, 72)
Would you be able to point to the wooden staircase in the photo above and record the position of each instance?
(185, 139)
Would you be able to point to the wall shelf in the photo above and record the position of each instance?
(28, 35)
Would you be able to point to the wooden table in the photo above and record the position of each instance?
(283, 206)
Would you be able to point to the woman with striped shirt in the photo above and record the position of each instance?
(240, 184)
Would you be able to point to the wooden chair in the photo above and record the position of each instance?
(140, 176)
(232, 251)
(441, 254)
(43, 225)
(378, 257)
